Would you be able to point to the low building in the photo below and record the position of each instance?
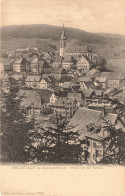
(19, 78)
(64, 79)
(64, 106)
(114, 79)
(103, 81)
(57, 62)
(32, 80)
(34, 66)
(90, 124)
(67, 62)
(93, 73)
(31, 101)
(7, 65)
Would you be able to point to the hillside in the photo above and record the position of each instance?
(16, 36)
(43, 31)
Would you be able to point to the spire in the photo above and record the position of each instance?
(63, 36)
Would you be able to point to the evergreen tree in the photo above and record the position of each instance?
(113, 145)
(15, 126)
(59, 144)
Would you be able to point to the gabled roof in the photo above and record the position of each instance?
(66, 85)
(65, 79)
(74, 96)
(88, 92)
(101, 79)
(84, 117)
(45, 95)
(46, 65)
(7, 65)
(66, 58)
(21, 60)
(84, 79)
(93, 71)
(35, 60)
(83, 59)
(30, 98)
(33, 78)
(17, 76)
(89, 85)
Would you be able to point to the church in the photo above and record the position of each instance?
(74, 50)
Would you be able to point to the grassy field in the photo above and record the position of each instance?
(117, 64)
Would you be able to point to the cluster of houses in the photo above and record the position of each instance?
(67, 84)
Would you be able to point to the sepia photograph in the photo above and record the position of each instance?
(62, 83)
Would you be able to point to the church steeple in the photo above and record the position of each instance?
(62, 41)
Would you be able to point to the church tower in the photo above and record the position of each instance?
(62, 42)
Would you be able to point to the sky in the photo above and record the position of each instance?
(106, 16)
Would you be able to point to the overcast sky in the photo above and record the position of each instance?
(90, 15)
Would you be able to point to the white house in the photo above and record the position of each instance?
(83, 64)
(53, 98)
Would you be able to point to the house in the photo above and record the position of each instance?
(57, 62)
(64, 79)
(46, 68)
(21, 51)
(83, 64)
(58, 73)
(7, 65)
(103, 81)
(75, 97)
(93, 73)
(87, 85)
(90, 124)
(21, 66)
(53, 98)
(31, 101)
(34, 66)
(32, 80)
(90, 95)
(47, 57)
(114, 79)
(19, 78)
(46, 83)
(64, 106)
(67, 62)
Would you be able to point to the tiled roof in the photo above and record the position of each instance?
(113, 75)
(17, 76)
(29, 98)
(93, 71)
(84, 79)
(65, 79)
(74, 49)
(66, 58)
(89, 85)
(88, 92)
(100, 79)
(45, 95)
(84, 117)
(74, 96)
(46, 65)
(33, 78)
(66, 85)
(35, 60)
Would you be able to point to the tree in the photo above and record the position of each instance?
(113, 145)
(58, 144)
(15, 126)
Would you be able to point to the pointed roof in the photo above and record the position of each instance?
(63, 36)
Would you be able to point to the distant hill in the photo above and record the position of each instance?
(47, 36)
(44, 31)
